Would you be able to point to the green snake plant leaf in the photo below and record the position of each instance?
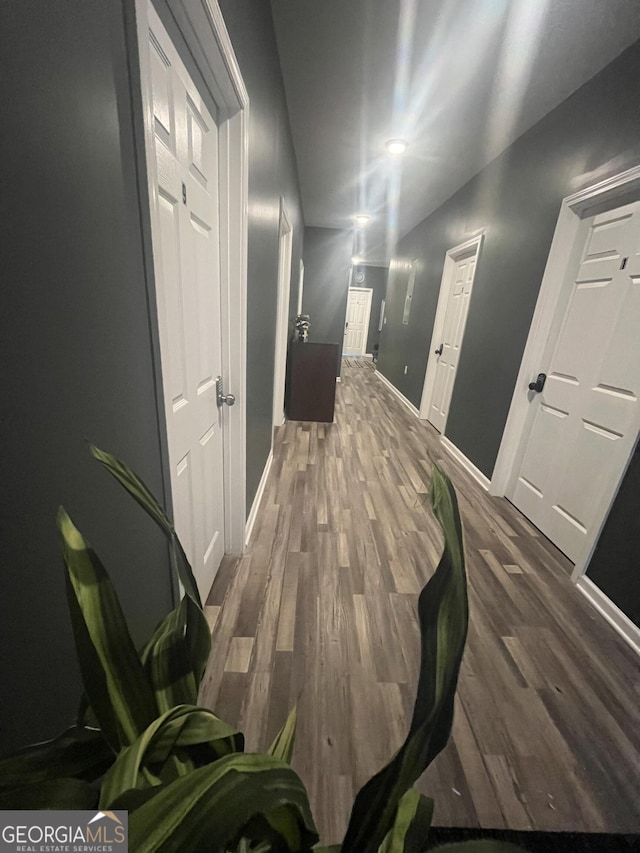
(208, 809)
(140, 493)
(167, 661)
(115, 681)
(176, 655)
(133, 799)
(144, 763)
(282, 746)
(63, 793)
(86, 718)
(443, 613)
(198, 636)
(411, 826)
(77, 753)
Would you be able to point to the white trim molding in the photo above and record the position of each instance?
(466, 463)
(255, 506)
(398, 394)
(627, 629)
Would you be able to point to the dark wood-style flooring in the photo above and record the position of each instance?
(321, 611)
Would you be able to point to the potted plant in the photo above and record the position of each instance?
(142, 743)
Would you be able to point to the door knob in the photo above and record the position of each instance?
(538, 385)
(223, 399)
(439, 350)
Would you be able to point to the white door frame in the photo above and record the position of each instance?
(285, 246)
(201, 25)
(369, 291)
(450, 261)
(300, 286)
(556, 270)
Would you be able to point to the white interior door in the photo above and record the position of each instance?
(584, 423)
(186, 254)
(357, 321)
(456, 289)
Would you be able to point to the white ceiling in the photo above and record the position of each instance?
(458, 79)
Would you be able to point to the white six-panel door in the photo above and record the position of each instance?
(357, 322)
(459, 294)
(587, 417)
(187, 268)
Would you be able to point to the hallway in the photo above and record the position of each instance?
(321, 611)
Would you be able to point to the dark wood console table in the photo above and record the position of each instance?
(311, 381)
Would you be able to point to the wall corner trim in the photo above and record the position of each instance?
(466, 463)
(629, 632)
(251, 520)
(398, 394)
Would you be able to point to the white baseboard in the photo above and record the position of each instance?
(248, 530)
(629, 632)
(398, 394)
(467, 464)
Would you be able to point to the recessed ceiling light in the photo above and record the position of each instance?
(356, 260)
(362, 220)
(396, 146)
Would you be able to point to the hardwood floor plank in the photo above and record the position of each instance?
(233, 686)
(321, 612)
(288, 603)
(211, 613)
(239, 654)
(280, 703)
(254, 715)
(475, 772)
(508, 791)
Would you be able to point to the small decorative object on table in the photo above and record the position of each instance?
(302, 327)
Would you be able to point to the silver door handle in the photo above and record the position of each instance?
(223, 399)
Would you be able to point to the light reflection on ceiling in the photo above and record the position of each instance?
(459, 80)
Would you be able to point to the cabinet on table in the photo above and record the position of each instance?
(311, 381)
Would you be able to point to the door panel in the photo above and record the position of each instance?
(587, 416)
(186, 251)
(357, 319)
(459, 285)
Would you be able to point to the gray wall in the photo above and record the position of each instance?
(616, 560)
(272, 173)
(76, 338)
(375, 278)
(327, 263)
(76, 332)
(593, 134)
